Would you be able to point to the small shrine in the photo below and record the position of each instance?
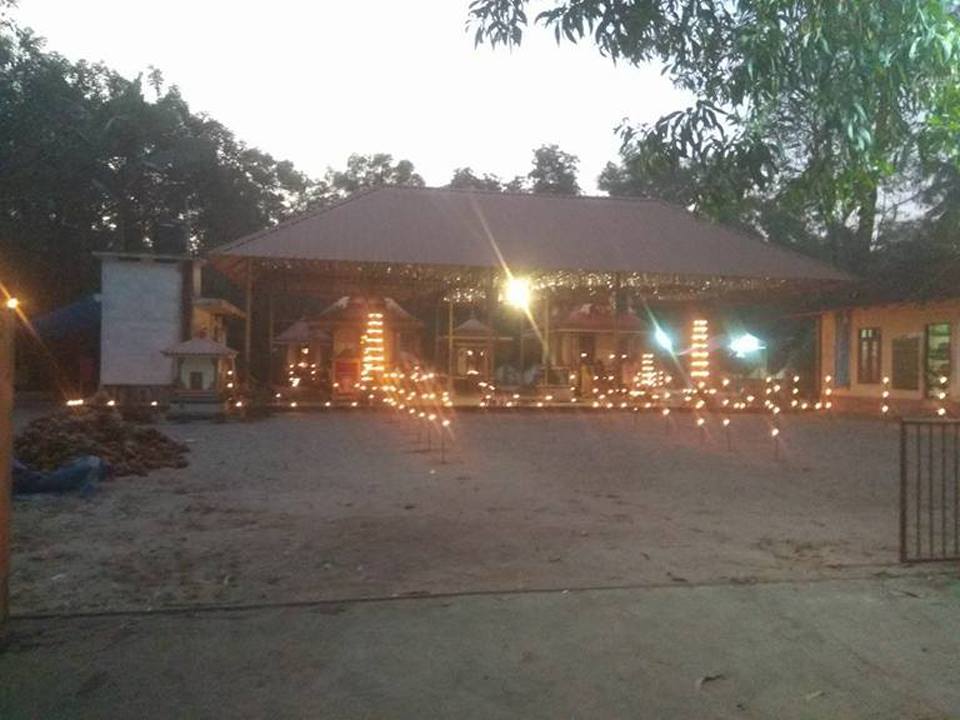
(354, 339)
(203, 377)
(304, 352)
(471, 344)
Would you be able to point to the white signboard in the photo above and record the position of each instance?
(141, 317)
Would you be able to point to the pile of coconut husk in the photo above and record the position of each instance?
(51, 441)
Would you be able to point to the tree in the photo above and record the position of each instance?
(554, 171)
(366, 171)
(88, 163)
(818, 105)
(465, 179)
(645, 170)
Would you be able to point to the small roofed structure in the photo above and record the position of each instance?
(591, 340)
(305, 351)
(203, 377)
(301, 333)
(468, 346)
(352, 334)
(210, 316)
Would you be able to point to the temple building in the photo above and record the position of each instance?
(475, 287)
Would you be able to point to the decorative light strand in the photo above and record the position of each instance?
(700, 351)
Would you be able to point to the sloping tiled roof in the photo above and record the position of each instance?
(218, 306)
(354, 309)
(474, 329)
(301, 333)
(427, 226)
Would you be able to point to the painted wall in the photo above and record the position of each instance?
(141, 306)
(894, 321)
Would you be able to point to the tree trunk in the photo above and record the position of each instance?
(863, 237)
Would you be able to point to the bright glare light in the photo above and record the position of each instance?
(518, 292)
(12, 303)
(746, 344)
(663, 340)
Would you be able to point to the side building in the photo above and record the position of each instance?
(901, 356)
(150, 305)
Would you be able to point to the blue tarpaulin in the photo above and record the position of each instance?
(81, 474)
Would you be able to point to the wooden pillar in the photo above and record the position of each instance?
(491, 330)
(450, 347)
(523, 326)
(437, 332)
(545, 330)
(617, 362)
(817, 388)
(270, 335)
(8, 324)
(247, 325)
(186, 299)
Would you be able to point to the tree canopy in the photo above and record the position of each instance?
(92, 161)
(554, 171)
(464, 178)
(817, 107)
(366, 171)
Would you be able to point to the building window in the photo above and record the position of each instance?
(841, 350)
(937, 359)
(906, 363)
(868, 356)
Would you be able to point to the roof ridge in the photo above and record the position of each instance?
(522, 193)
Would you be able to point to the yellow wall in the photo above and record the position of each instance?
(209, 324)
(894, 321)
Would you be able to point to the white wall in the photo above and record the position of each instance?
(206, 366)
(141, 318)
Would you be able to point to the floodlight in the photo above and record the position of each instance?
(746, 344)
(518, 292)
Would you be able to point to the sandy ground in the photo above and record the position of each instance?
(343, 505)
(878, 649)
(559, 566)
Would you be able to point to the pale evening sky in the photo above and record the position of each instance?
(315, 81)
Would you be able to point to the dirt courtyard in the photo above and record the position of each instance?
(342, 505)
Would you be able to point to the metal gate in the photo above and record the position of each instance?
(929, 490)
